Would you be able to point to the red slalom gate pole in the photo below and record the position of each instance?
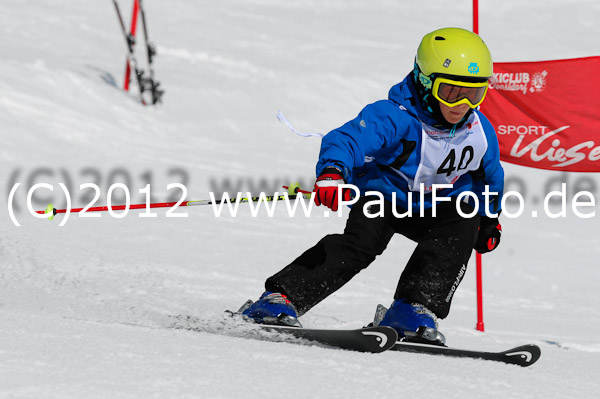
(480, 326)
(134, 17)
(476, 16)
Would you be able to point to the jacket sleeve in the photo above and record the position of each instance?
(490, 173)
(346, 147)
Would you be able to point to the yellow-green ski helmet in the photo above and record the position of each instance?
(456, 52)
(453, 54)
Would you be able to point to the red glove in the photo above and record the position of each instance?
(490, 232)
(326, 188)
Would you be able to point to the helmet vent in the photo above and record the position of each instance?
(440, 38)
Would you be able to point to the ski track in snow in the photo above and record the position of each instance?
(86, 310)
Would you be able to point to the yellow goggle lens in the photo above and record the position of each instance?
(452, 92)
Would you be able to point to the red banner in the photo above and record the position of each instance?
(547, 114)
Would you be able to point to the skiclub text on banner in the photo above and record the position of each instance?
(547, 114)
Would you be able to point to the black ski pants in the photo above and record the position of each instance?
(431, 276)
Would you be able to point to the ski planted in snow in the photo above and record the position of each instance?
(524, 355)
(133, 65)
(150, 84)
(144, 83)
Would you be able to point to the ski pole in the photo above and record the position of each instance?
(268, 198)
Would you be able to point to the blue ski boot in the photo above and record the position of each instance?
(413, 322)
(271, 308)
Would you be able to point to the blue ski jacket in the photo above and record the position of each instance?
(394, 146)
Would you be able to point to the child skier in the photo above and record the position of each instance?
(428, 132)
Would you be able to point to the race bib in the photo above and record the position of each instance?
(445, 157)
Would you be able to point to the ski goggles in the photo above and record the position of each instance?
(453, 92)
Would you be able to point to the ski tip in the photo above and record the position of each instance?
(524, 355)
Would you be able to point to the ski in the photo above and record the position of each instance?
(368, 339)
(130, 42)
(371, 339)
(523, 356)
(150, 83)
(132, 31)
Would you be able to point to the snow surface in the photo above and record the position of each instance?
(85, 308)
